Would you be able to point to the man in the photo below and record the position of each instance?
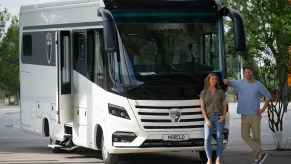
(249, 98)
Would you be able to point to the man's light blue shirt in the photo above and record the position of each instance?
(249, 96)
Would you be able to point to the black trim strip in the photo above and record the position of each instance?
(167, 107)
(192, 120)
(182, 120)
(173, 127)
(191, 113)
(82, 24)
(153, 114)
(166, 114)
(209, 5)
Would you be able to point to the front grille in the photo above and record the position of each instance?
(158, 117)
(161, 143)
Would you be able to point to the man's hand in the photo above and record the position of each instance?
(260, 111)
(226, 81)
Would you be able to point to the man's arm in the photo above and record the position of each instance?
(262, 110)
(264, 91)
(231, 83)
(226, 82)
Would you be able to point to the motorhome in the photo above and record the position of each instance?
(121, 76)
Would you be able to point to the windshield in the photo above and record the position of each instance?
(166, 44)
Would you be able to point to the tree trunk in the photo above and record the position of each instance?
(9, 100)
(277, 135)
(275, 117)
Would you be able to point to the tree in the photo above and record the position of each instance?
(265, 23)
(9, 63)
(4, 17)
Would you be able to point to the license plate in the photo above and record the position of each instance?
(175, 137)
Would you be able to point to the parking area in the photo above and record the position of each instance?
(20, 147)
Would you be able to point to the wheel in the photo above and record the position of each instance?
(204, 158)
(71, 151)
(108, 158)
(55, 142)
(60, 150)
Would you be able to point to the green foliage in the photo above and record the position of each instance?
(4, 17)
(268, 36)
(265, 22)
(9, 59)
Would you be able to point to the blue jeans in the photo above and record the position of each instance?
(208, 131)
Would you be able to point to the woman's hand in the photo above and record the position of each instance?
(208, 122)
(221, 118)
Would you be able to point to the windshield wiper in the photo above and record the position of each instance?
(133, 87)
(182, 74)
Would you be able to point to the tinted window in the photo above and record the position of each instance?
(27, 45)
(95, 56)
(80, 47)
(65, 63)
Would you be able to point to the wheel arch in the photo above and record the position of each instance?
(45, 127)
(99, 133)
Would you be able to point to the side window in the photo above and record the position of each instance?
(95, 59)
(91, 50)
(65, 63)
(89, 54)
(100, 56)
(80, 52)
(27, 45)
(80, 47)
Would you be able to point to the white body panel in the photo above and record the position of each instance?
(39, 84)
(65, 12)
(38, 90)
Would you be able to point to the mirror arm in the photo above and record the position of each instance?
(239, 31)
(109, 30)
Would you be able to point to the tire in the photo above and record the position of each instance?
(59, 150)
(204, 158)
(108, 158)
(56, 149)
(72, 151)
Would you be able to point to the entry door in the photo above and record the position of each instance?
(64, 58)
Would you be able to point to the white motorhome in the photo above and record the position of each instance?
(122, 76)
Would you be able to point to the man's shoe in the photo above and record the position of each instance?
(261, 159)
(256, 161)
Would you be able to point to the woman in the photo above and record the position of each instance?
(213, 107)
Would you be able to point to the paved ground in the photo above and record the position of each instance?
(236, 152)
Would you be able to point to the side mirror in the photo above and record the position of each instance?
(239, 31)
(108, 29)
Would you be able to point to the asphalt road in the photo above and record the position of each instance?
(20, 147)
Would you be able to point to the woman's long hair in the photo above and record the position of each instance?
(206, 81)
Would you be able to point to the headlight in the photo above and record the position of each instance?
(123, 137)
(118, 111)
